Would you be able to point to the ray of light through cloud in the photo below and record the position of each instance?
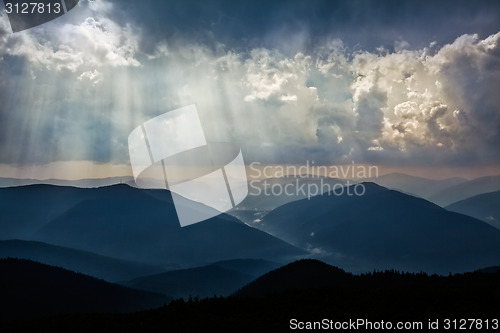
(73, 89)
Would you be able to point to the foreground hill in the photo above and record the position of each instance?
(485, 207)
(303, 274)
(123, 222)
(386, 296)
(84, 262)
(384, 229)
(220, 278)
(31, 289)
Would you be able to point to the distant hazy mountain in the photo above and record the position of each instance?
(88, 263)
(418, 186)
(386, 229)
(30, 289)
(131, 224)
(90, 182)
(466, 190)
(221, 279)
(302, 274)
(484, 206)
(267, 194)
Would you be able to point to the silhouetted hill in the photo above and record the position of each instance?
(485, 207)
(220, 278)
(418, 186)
(384, 229)
(193, 282)
(123, 222)
(254, 267)
(88, 263)
(303, 274)
(466, 190)
(389, 296)
(492, 269)
(31, 289)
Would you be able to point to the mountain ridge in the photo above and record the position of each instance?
(384, 229)
(131, 224)
(485, 207)
(220, 278)
(30, 289)
(95, 265)
(466, 190)
(414, 185)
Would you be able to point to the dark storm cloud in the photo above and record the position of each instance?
(360, 24)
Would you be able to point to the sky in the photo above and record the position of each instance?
(409, 86)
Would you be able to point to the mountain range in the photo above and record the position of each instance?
(31, 289)
(384, 229)
(466, 190)
(84, 183)
(264, 195)
(419, 186)
(221, 278)
(306, 290)
(302, 274)
(109, 269)
(130, 224)
(485, 207)
(131, 236)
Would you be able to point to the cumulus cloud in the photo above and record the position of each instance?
(442, 105)
(404, 107)
(93, 42)
(326, 103)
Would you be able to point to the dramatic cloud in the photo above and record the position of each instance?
(94, 43)
(75, 88)
(443, 106)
